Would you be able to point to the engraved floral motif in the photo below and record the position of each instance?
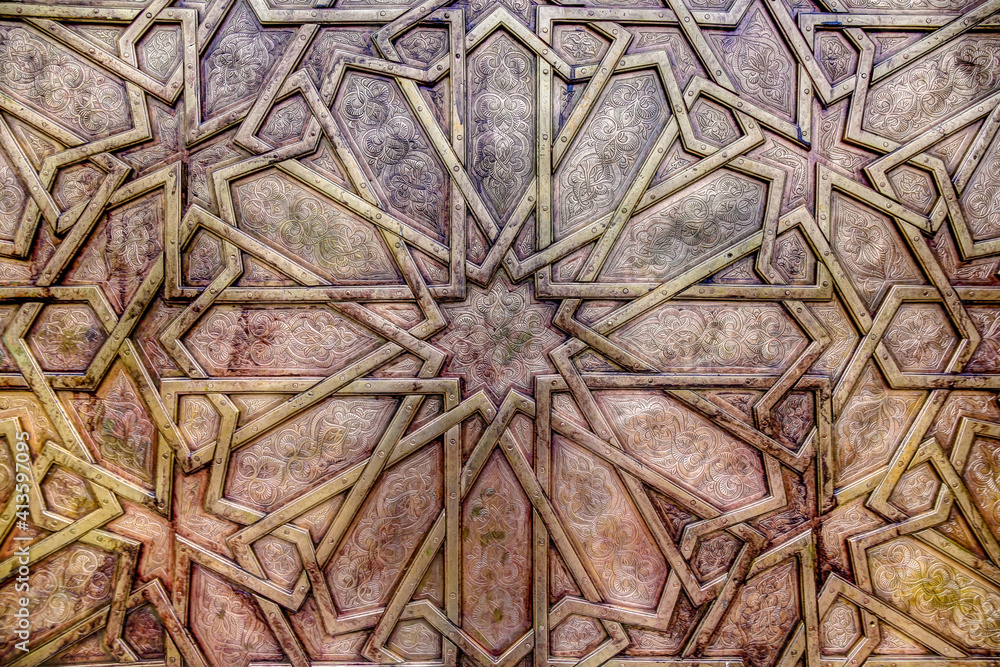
(499, 338)
(67, 494)
(895, 642)
(981, 197)
(920, 338)
(793, 418)
(423, 45)
(695, 336)
(496, 566)
(237, 64)
(102, 35)
(986, 358)
(198, 420)
(982, 474)
(841, 628)
(255, 405)
(286, 122)
(313, 230)
(832, 122)
(502, 136)
(607, 528)
(760, 616)
(394, 148)
(416, 640)
(262, 340)
(840, 329)
(145, 632)
(760, 63)
(916, 490)
(704, 219)
(871, 424)
(306, 450)
(576, 636)
(835, 56)
(389, 527)
(714, 555)
(122, 250)
(741, 272)
(790, 256)
(228, 623)
(12, 198)
(561, 583)
(606, 155)
(75, 185)
(279, 559)
(943, 83)
(797, 165)
(714, 123)
(66, 337)
(974, 404)
(938, 593)
(161, 50)
(914, 187)
(204, 260)
(872, 250)
(60, 588)
(687, 448)
(119, 425)
(580, 45)
(954, 147)
(61, 86)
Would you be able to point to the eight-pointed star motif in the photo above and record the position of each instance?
(498, 338)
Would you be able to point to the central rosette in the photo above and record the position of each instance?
(499, 338)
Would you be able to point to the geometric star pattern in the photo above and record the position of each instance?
(496, 334)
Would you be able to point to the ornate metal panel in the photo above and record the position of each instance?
(496, 334)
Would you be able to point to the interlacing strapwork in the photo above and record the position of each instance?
(500, 334)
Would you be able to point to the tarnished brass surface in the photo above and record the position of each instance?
(501, 333)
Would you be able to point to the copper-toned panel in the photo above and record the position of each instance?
(525, 333)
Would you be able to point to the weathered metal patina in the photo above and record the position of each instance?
(501, 333)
